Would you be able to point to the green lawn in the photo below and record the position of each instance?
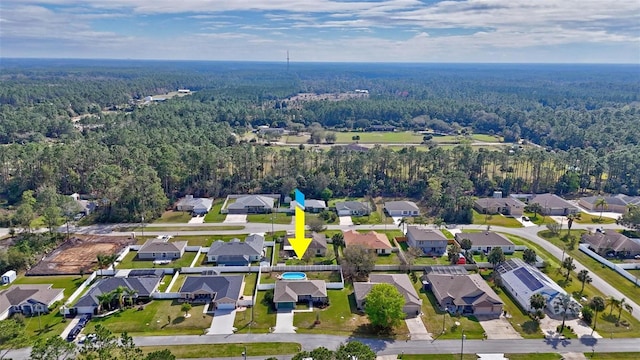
(277, 218)
(380, 137)
(227, 350)
(164, 284)
(264, 317)
(250, 280)
(615, 356)
(131, 262)
(535, 356)
(622, 284)
(214, 215)
(447, 234)
(174, 217)
(329, 259)
(341, 318)
(159, 317)
(433, 317)
(391, 259)
(497, 220)
(539, 219)
(373, 218)
(594, 219)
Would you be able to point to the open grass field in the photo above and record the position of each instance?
(341, 318)
(332, 202)
(496, 220)
(214, 215)
(227, 350)
(376, 217)
(264, 317)
(179, 217)
(159, 317)
(277, 218)
(130, 261)
(623, 285)
(594, 219)
(380, 137)
(539, 219)
(193, 240)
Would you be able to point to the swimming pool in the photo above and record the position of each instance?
(294, 276)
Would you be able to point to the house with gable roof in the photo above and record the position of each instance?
(371, 240)
(28, 299)
(197, 206)
(222, 291)
(412, 301)
(289, 292)
(161, 249)
(236, 252)
(251, 204)
(463, 293)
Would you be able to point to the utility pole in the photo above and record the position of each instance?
(462, 345)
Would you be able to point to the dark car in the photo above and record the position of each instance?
(74, 333)
(84, 320)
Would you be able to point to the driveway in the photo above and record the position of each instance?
(498, 328)
(417, 329)
(525, 223)
(284, 322)
(235, 219)
(346, 220)
(222, 322)
(196, 220)
(69, 327)
(548, 326)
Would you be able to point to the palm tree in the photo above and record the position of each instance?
(584, 278)
(565, 302)
(131, 293)
(570, 219)
(612, 303)
(466, 245)
(104, 301)
(597, 304)
(118, 293)
(569, 266)
(537, 302)
(403, 223)
(529, 256)
(621, 305)
(602, 204)
(627, 307)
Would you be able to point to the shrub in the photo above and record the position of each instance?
(587, 314)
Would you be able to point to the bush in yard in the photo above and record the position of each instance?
(383, 305)
(587, 314)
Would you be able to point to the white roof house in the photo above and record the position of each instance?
(523, 281)
(195, 205)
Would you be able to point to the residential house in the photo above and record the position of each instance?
(161, 249)
(522, 281)
(310, 205)
(142, 283)
(236, 252)
(401, 208)
(372, 240)
(610, 243)
(197, 206)
(317, 247)
(289, 292)
(85, 207)
(431, 242)
(615, 203)
(505, 206)
(353, 208)
(251, 204)
(465, 294)
(8, 277)
(485, 241)
(412, 302)
(222, 291)
(28, 299)
(554, 205)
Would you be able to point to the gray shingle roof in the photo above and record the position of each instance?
(499, 202)
(353, 206)
(401, 206)
(619, 199)
(195, 202)
(611, 240)
(160, 246)
(18, 294)
(252, 246)
(310, 204)
(252, 201)
(463, 290)
(318, 241)
(144, 286)
(399, 281)
(422, 234)
(220, 286)
(290, 290)
(551, 201)
(485, 238)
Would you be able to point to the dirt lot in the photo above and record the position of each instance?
(79, 253)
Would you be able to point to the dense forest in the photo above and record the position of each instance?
(78, 126)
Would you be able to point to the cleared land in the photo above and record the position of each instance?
(79, 254)
(174, 217)
(400, 137)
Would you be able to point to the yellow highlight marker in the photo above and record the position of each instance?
(299, 243)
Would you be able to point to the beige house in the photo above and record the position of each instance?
(611, 244)
(372, 240)
(486, 241)
(464, 294)
(615, 203)
(317, 247)
(504, 206)
(161, 249)
(412, 301)
(28, 300)
(289, 292)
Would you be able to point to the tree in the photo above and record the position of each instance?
(412, 254)
(568, 265)
(127, 348)
(316, 224)
(383, 306)
(131, 294)
(496, 257)
(553, 227)
(570, 219)
(330, 137)
(355, 138)
(164, 354)
(185, 308)
(597, 304)
(12, 334)
(627, 307)
(25, 212)
(103, 347)
(338, 239)
(466, 245)
(537, 302)
(565, 303)
(320, 353)
(52, 217)
(535, 208)
(358, 262)
(326, 194)
(355, 350)
(453, 253)
(104, 261)
(105, 300)
(631, 218)
(602, 204)
(529, 256)
(583, 276)
(612, 303)
(118, 294)
(53, 348)
(621, 305)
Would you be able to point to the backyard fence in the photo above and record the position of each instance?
(165, 295)
(81, 288)
(617, 268)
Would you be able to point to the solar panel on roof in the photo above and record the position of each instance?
(528, 279)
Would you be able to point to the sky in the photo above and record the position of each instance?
(492, 31)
